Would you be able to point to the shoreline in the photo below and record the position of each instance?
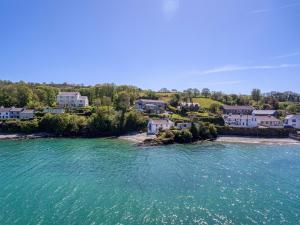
(139, 138)
(256, 140)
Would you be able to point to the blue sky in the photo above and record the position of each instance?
(226, 45)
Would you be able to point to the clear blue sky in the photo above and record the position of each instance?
(227, 45)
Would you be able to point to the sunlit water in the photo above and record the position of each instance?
(102, 181)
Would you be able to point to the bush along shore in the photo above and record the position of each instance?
(198, 132)
(101, 123)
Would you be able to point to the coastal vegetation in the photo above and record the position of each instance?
(112, 110)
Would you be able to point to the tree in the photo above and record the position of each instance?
(214, 108)
(205, 92)
(24, 95)
(175, 99)
(194, 131)
(122, 101)
(256, 95)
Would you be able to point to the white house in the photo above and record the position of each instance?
(53, 110)
(4, 113)
(292, 121)
(27, 114)
(71, 99)
(15, 112)
(269, 121)
(155, 125)
(247, 121)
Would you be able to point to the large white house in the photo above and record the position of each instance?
(292, 121)
(247, 121)
(71, 99)
(160, 124)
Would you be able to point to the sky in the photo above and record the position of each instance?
(225, 45)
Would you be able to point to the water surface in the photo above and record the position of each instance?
(103, 181)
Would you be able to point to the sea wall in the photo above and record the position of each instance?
(255, 132)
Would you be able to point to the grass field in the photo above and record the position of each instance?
(205, 102)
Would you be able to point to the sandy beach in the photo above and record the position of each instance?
(254, 140)
(137, 138)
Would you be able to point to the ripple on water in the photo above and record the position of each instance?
(107, 181)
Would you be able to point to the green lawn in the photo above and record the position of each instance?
(205, 102)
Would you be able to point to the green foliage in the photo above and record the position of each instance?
(134, 121)
(183, 136)
(63, 124)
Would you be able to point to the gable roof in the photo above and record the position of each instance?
(264, 112)
(13, 109)
(28, 111)
(160, 121)
(150, 101)
(2, 109)
(68, 93)
(267, 118)
(237, 107)
(292, 117)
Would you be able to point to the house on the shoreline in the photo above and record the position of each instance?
(150, 106)
(189, 106)
(269, 122)
(237, 110)
(4, 113)
(265, 113)
(54, 110)
(233, 120)
(27, 114)
(14, 113)
(292, 121)
(155, 125)
(71, 99)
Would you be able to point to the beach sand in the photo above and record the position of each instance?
(137, 138)
(254, 140)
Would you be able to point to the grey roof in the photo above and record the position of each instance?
(267, 118)
(292, 116)
(162, 121)
(4, 109)
(264, 112)
(237, 107)
(68, 93)
(28, 111)
(13, 109)
(150, 101)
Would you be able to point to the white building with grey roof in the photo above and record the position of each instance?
(71, 99)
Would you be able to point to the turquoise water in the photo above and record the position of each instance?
(102, 181)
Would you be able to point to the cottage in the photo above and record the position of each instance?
(4, 113)
(182, 126)
(265, 113)
(237, 110)
(53, 110)
(27, 114)
(188, 106)
(150, 106)
(159, 124)
(269, 121)
(71, 99)
(15, 112)
(247, 121)
(292, 121)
